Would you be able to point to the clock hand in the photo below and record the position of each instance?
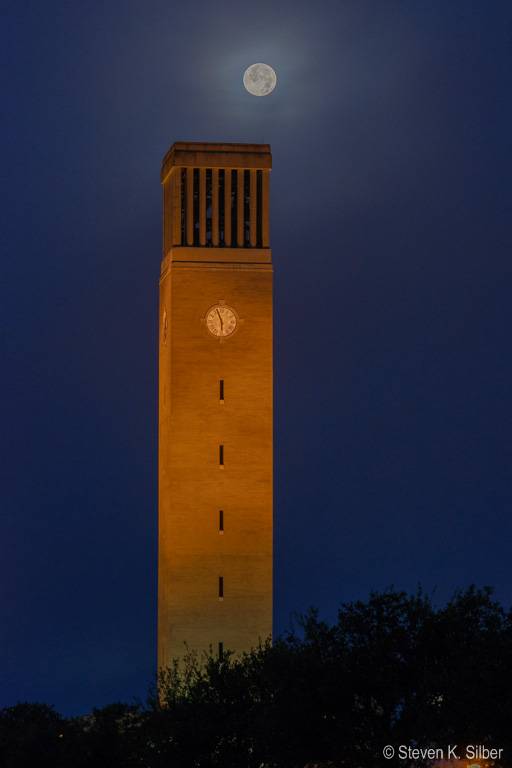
(220, 318)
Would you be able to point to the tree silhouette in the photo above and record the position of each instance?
(394, 670)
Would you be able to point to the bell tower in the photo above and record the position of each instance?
(215, 401)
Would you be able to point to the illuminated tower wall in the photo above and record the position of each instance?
(215, 401)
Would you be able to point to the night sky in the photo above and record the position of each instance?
(391, 235)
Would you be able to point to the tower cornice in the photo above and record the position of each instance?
(200, 154)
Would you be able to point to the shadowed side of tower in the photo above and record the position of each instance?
(215, 401)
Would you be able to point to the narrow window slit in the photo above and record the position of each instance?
(221, 391)
(221, 521)
(221, 651)
(221, 587)
(221, 456)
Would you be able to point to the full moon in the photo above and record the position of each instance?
(260, 79)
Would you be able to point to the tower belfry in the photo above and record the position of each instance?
(215, 401)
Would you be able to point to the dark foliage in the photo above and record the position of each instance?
(31, 735)
(394, 670)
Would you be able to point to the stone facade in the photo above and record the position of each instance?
(215, 401)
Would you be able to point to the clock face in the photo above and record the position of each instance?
(164, 327)
(221, 321)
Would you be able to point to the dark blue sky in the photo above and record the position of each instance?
(391, 235)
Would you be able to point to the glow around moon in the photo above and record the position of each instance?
(260, 79)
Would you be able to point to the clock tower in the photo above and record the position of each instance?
(215, 401)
